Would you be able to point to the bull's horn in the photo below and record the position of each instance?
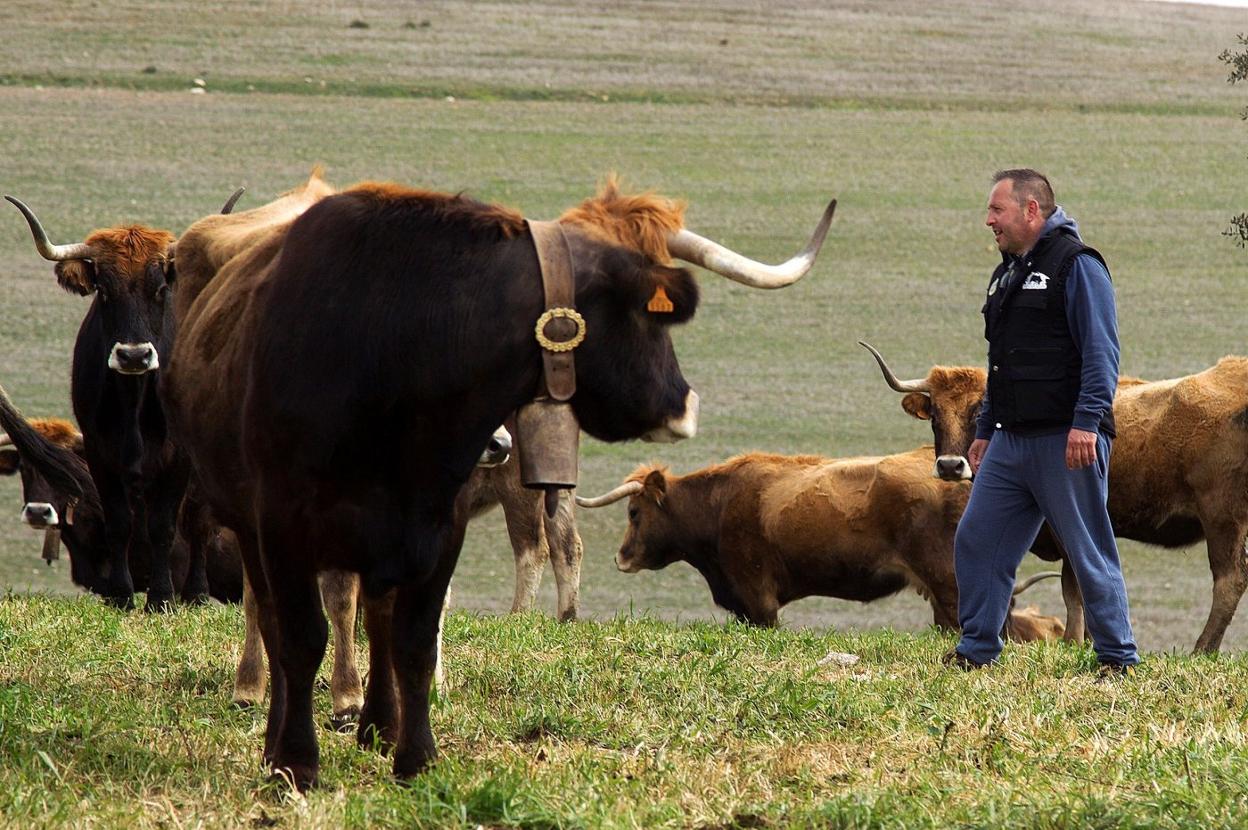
(628, 488)
(233, 200)
(56, 253)
(916, 385)
(1027, 583)
(687, 245)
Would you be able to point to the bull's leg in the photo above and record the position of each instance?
(414, 647)
(566, 552)
(266, 618)
(249, 677)
(340, 591)
(162, 500)
(1074, 604)
(524, 527)
(196, 526)
(1228, 560)
(120, 589)
(379, 718)
(302, 635)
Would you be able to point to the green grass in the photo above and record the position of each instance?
(124, 720)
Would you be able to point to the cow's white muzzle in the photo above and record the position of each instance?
(686, 426)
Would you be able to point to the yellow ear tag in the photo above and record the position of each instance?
(659, 303)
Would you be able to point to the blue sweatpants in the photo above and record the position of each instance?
(1021, 483)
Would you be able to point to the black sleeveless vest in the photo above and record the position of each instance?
(1034, 365)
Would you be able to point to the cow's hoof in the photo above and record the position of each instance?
(298, 776)
(411, 764)
(244, 702)
(197, 599)
(123, 602)
(157, 604)
(346, 720)
(369, 736)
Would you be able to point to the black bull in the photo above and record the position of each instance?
(336, 386)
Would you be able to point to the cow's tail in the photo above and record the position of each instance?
(62, 467)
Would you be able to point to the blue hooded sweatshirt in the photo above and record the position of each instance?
(1093, 320)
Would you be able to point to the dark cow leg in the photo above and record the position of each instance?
(1228, 560)
(119, 591)
(566, 552)
(270, 637)
(1073, 600)
(414, 646)
(196, 526)
(379, 719)
(302, 637)
(162, 500)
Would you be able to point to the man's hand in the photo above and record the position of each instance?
(976, 453)
(1080, 449)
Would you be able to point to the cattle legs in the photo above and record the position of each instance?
(566, 552)
(1073, 599)
(340, 591)
(1228, 560)
(120, 589)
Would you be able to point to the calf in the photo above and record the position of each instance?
(765, 530)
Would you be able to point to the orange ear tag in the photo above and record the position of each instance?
(659, 303)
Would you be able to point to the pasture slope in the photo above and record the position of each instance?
(757, 114)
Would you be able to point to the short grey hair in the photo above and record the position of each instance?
(1029, 184)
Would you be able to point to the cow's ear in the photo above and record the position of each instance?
(918, 405)
(77, 276)
(670, 294)
(10, 461)
(656, 486)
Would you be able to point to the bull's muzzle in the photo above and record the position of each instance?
(133, 358)
(683, 426)
(40, 515)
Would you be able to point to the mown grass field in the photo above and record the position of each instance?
(756, 114)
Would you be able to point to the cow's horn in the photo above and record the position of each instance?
(687, 245)
(233, 200)
(916, 385)
(628, 488)
(56, 253)
(1027, 583)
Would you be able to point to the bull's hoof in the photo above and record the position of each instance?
(411, 764)
(122, 602)
(370, 736)
(158, 604)
(246, 701)
(197, 598)
(298, 776)
(346, 720)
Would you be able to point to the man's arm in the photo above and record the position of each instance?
(1093, 319)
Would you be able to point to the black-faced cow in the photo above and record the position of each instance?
(1178, 471)
(336, 380)
(126, 333)
(765, 530)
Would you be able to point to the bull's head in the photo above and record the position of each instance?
(949, 397)
(130, 271)
(46, 505)
(650, 541)
(630, 292)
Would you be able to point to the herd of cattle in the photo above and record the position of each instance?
(233, 387)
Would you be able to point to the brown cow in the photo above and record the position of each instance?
(335, 380)
(765, 530)
(1178, 472)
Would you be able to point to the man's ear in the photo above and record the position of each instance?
(10, 461)
(918, 405)
(77, 276)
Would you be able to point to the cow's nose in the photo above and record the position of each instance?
(133, 358)
(952, 468)
(39, 514)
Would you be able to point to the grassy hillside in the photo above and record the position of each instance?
(121, 720)
(901, 110)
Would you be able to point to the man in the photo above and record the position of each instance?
(1043, 438)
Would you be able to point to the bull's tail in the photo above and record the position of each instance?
(62, 467)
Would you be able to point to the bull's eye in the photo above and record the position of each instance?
(632, 514)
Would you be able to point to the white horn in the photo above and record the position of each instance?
(916, 385)
(1018, 589)
(628, 488)
(687, 245)
(55, 253)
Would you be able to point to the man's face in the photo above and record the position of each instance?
(1011, 223)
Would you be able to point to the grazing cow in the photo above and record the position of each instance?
(127, 331)
(60, 499)
(1178, 472)
(765, 530)
(336, 378)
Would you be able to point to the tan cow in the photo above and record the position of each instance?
(765, 530)
(1178, 472)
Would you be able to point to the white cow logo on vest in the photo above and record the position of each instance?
(1036, 281)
